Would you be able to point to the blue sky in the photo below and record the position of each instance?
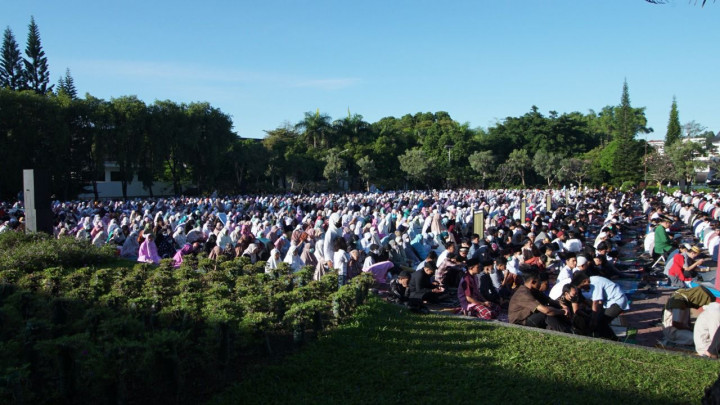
(265, 63)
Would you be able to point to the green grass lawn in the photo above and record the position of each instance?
(389, 355)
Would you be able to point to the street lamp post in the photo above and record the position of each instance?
(448, 147)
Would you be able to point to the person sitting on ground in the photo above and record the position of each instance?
(676, 315)
(504, 277)
(573, 301)
(607, 269)
(573, 243)
(471, 300)
(431, 257)
(706, 326)
(441, 258)
(486, 287)
(682, 248)
(528, 307)
(422, 289)
(187, 249)
(544, 280)
(608, 302)
(449, 272)
(567, 270)
(663, 244)
(398, 291)
(684, 265)
(148, 251)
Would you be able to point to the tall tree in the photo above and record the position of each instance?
(574, 169)
(626, 130)
(482, 162)
(693, 129)
(368, 171)
(128, 130)
(416, 164)
(66, 85)
(334, 170)
(37, 75)
(674, 133)
(660, 167)
(684, 157)
(519, 162)
(11, 64)
(547, 164)
(316, 128)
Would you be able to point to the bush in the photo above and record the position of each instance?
(627, 186)
(72, 332)
(36, 252)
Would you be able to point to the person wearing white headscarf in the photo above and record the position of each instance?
(179, 235)
(273, 261)
(251, 252)
(293, 258)
(100, 237)
(224, 239)
(334, 231)
(131, 246)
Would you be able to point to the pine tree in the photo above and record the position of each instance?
(674, 132)
(66, 85)
(37, 75)
(625, 116)
(11, 69)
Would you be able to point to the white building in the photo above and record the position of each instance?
(111, 187)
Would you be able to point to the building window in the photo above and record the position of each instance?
(115, 176)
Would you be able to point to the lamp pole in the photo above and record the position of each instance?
(645, 161)
(448, 147)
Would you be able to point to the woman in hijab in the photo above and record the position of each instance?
(131, 246)
(148, 250)
(307, 256)
(224, 239)
(186, 250)
(251, 252)
(354, 264)
(273, 261)
(293, 259)
(100, 237)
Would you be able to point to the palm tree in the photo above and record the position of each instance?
(315, 126)
(352, 129)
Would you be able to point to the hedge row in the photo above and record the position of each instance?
(154, 334)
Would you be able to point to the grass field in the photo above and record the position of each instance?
(389, 355)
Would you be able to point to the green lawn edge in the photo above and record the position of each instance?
(386, 354)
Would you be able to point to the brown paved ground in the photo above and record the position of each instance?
(645, 315)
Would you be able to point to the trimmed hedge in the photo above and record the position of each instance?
(148, 333)
(37, 251)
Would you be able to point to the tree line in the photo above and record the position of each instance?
(193, 146)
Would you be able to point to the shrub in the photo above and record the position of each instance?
(72, 332)
(35, 252)
(627, 186)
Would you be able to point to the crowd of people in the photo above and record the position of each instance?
(551, 268)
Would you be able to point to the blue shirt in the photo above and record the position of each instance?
(602, 289)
